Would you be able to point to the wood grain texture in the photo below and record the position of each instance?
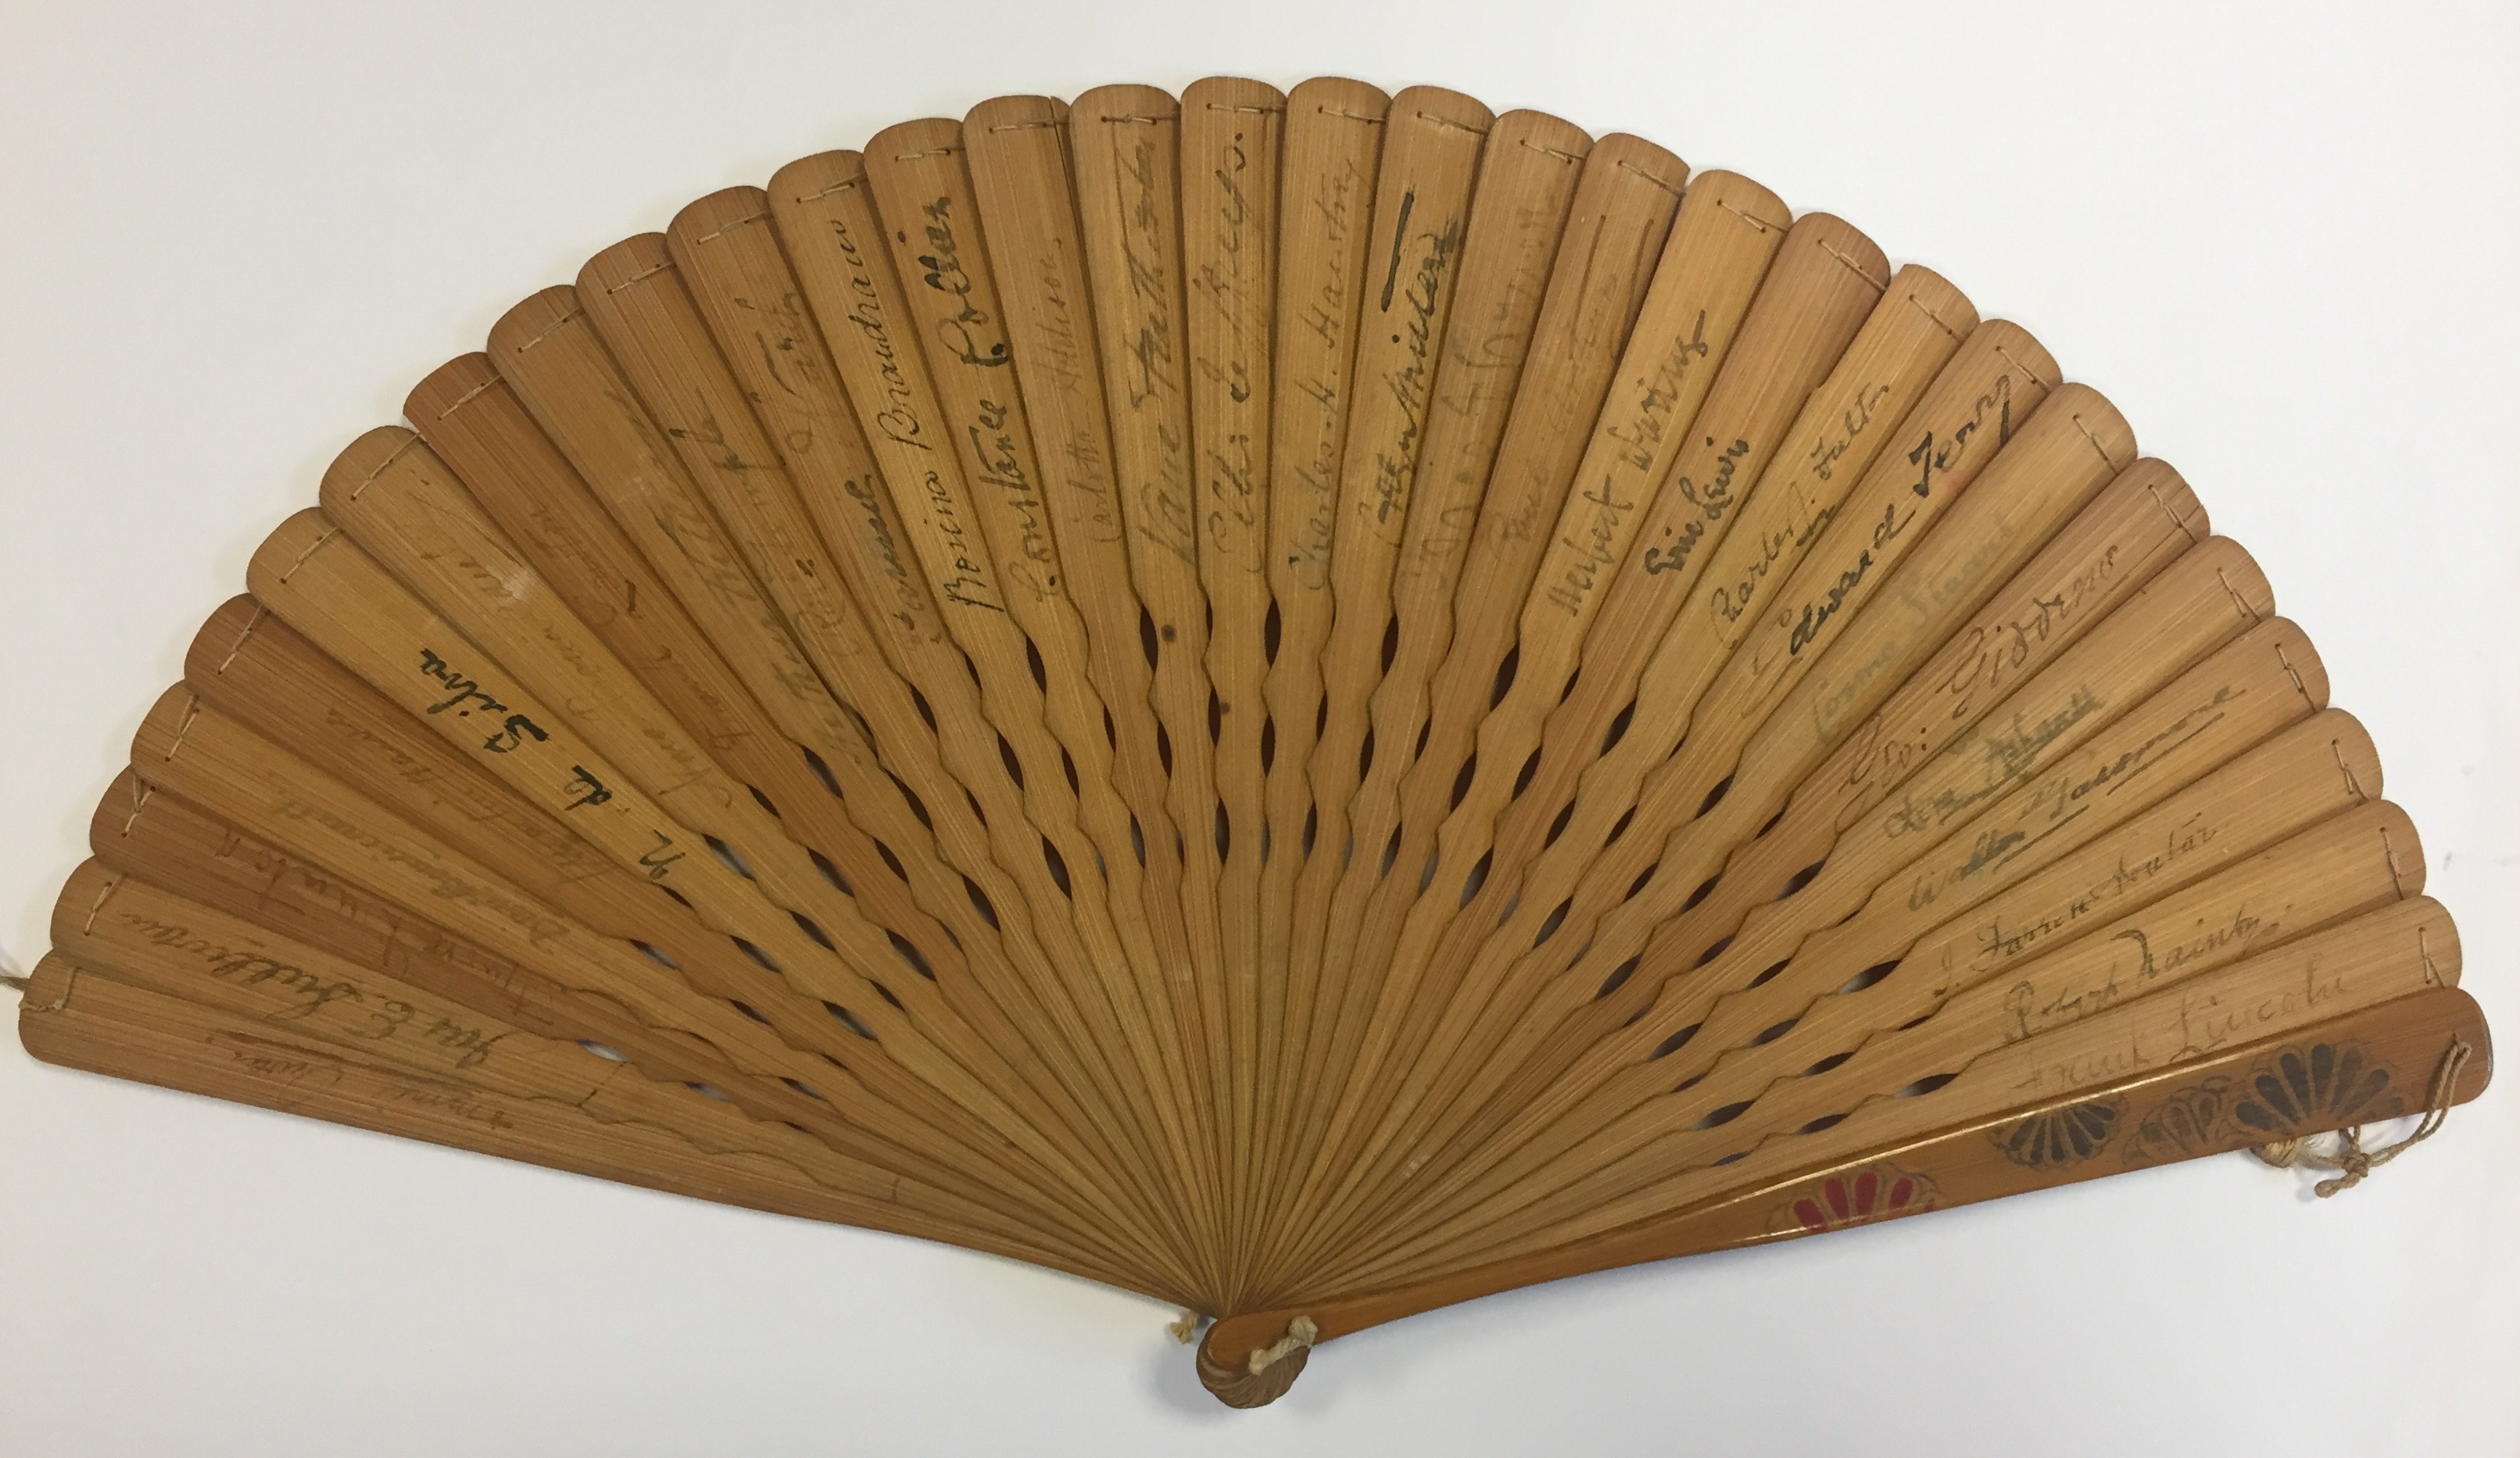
(1309, 703)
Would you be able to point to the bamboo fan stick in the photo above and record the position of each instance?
(195, 755)
(836, 241)
(1232, 132)
(329, 590)
(2265, 681)
(2396, 951)
(1666, 851)
(1708, 567)
(1421, 214)
(198, 752)
(2335, 768)
(608, 995)
(1583, 791)
(137, 934)
(1719, 544)
(1584, 333)
(276, 683)
(1825, 280)
(828, 223)
(1332, 158)
(2186, 840)
(638, 306)
(925, 208)
(154, 833)
(391, 495)
(1018, 159)
(1528, 177)
(791, 740)
(632, 298)
(2145, 517)
(1621, 212)
(2110, 549)
(2184, 614)
(81, 1015)
(257, 671)
(1726, 231)
(2025, 985)
(732, 263)
(915, 176)
(1124, 143)
(408, 508)
(1933, 811)
(537, 496)
(563, 373)
(1809, 308)
(2395, 1051)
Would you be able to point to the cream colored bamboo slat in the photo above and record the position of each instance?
(153, 939)
(639, 307)
(1621, 214)
(1528, 177)
(1332, 158)
(332, 593)
(1232, 131)
(1017, 151)
(2112, 547)
(2400, 949)
(1432, 144)
(1671, 617)
(2076, 791)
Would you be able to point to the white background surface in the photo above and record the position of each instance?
(232, 236)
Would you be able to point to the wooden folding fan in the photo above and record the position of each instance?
(1311, 703)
